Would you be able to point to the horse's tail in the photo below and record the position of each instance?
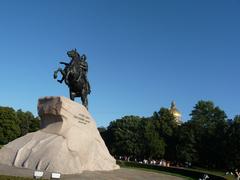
(88, 88)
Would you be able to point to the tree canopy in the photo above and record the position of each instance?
(14, 124)
(208, 139)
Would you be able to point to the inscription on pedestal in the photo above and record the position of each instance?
(82, 119)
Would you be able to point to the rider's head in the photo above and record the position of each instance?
(84, 57)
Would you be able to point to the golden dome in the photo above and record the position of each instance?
(176, 113)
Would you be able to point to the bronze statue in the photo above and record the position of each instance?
(74, 75)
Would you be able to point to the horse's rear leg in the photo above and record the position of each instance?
(55, 73)
(85, 101)
(72, 95)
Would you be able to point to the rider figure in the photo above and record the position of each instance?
(84, 66)
(79, 62)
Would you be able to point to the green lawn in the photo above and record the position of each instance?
(2, 177)
(214, 172)
(186, 173)
(163, 172)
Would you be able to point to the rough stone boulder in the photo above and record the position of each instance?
(68, 141)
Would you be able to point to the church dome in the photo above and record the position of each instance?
(176, 113)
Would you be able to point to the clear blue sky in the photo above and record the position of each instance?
(141, 54)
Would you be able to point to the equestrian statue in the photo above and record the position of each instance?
(74, 75)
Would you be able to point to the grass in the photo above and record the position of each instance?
(162, 172)
(214, 172)
(3, 177)
(154, 170)
(186, 173)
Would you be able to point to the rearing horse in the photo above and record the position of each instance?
(75, 76)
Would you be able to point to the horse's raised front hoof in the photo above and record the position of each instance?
(59, 81)
(55, 75)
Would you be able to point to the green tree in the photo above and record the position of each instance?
(166, 126)
(9, 129)
(123, 137)
(186, 144)
(134, 137)
(154, 145)
(23, 122)
(209, 125)
(27, 122)
(232, 149)
(34, 124)
(164, 122)
(101, 129)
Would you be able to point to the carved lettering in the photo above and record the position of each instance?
(82, 119)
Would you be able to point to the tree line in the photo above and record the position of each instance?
(208, 139)
(14, 124)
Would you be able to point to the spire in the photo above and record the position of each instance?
(173, 105)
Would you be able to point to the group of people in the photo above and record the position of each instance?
(236, 173)
(165, 163)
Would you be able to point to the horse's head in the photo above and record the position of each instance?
(73, 54)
